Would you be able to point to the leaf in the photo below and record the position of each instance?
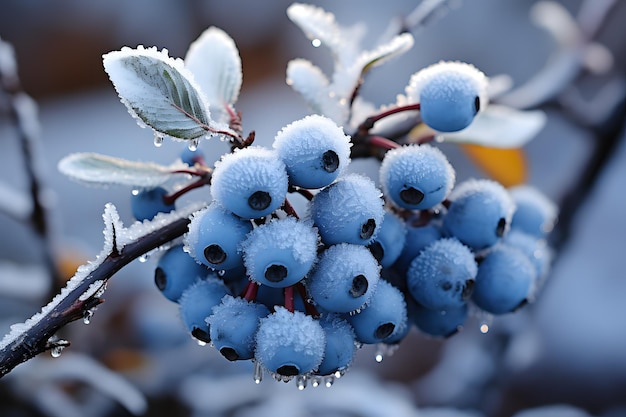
(159, 91)
(500, 127)
(96, 169)
(507, 166)
(396, 46)
(214, 60)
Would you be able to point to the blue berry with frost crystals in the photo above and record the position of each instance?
(349, 210)
(340, 345)
(416, 177)
(417, 238)
(442, 275)
(214, 236)
(290, 344)
(450, 94)
(389, 241)
(281, 252)
(197, 303)
(233, 326)
(344, 278)
(149, 202)
(251, 182)
(384, 316)
(438, 323)
(534, 212)
(534, 248)
(504, 280)
(480, 213)
(315, 151)
(176, 271)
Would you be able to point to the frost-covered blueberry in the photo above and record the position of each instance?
(416, 177)
(417, 238)
(314, 149)
(480, 213)
(344, 278)
(233, 326)
(349, 210)
(197, 303)
(214, 236)
(442, 275)
(251, 182)
(176, 271)
(281, 252)
(389, 241)
(438, 323)
(450, 94)
(535, 213)
(384, 315)
(340, 344)
(290, 344)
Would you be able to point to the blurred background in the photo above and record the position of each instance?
(564, 355)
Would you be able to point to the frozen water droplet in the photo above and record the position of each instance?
(143, 258)
(87, 315)
(258, 372)
(379, 357)
(201, 342)
(316, 381)
(329, 380)
(316, 43)
(301, 382)
(193, 145)
(484, 328)
(221, 272)
(339, 373)
(135, 191)
(55, 352)
(158, 140)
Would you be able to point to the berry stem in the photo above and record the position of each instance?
(289, 301)
(382, 142)
(368, 124)
(309, 308)
(289, 209)
(302, 191)
(205, 179)
(251, 290)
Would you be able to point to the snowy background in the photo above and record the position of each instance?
(567, 349)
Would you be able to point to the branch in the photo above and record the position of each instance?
(84, 291)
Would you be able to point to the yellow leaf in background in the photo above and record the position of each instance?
(507, 166)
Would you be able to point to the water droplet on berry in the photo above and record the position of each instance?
(215, 254)
(411, 195)
(330, 161)
(158, 140)
(329, 380)
(258, 372)
(193, 145)
(368, 228)
(316, 380)
(301, 382)
(135, 191)
(316, 43)
(359, 286)
(260, 200)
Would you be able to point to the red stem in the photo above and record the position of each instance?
(289, 302)
(251, 290)
(382, 142)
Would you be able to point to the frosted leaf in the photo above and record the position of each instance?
(308, 80)
(214, 60)
(317, 24)
(159, 91)
(500, 127)
(396, 46)
(8, 64)
(96, 169)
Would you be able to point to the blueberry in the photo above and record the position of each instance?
(442, 275)
(534, 212)
(480, 213)
(315, 151)
(176, 271)
(349, 210)
(197, 303)
(438, 323)
(416, 177)
(389, 241)
(340, 345)
(214, 237)
(344, 278)
(149, 202)
(251, 182)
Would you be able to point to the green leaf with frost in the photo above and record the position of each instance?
(96, 169)
(159, 91)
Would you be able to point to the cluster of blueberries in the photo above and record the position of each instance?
(298, 293)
